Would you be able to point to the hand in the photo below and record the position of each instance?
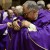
(30, 26)
(25, 23)
(16, 25)
(9, 24)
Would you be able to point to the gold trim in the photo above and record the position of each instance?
(36, 43)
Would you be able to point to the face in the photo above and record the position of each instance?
(0, 11)
(32, 15)
(15, 12)
(10, 12)
(13, 8)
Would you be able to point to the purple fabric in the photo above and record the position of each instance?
(1, 18)
(2, 30)
(41, 13)
(41, 36)
(6, 38)
(16, 37)
(9, 20)
(4, 42)
(13, 34)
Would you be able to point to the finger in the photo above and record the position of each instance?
(18, 20)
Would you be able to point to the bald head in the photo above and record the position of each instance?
(48, 6)
(10, 12)
(13, 8)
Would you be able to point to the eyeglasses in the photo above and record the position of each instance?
(29, 12)
(26, 13)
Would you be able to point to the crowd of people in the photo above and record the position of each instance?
(25, 27)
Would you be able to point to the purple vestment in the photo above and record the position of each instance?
(30, 40)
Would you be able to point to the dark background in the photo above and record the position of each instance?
(17, 2)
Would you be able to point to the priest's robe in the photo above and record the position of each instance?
(16, 37)
(34, 40)
(7, 38)
(40, 39)
(1, 30)
(9, 33)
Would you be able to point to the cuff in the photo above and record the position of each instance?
(32, 27)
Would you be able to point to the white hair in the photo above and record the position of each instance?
(19, 9)
(12, 7)
(29, 2)
(30, 5)
(41, 2)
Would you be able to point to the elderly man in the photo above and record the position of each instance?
(13, 31)
(16, 28)
(19, 14)
(6, 37)
(10, 18)
(36, 37)
(35, 31)
(19, 9)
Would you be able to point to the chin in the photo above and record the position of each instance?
(30, 20)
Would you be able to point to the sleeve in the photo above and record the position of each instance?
(39, 31)
(2, 28)
(5, 15)
(40, 37)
